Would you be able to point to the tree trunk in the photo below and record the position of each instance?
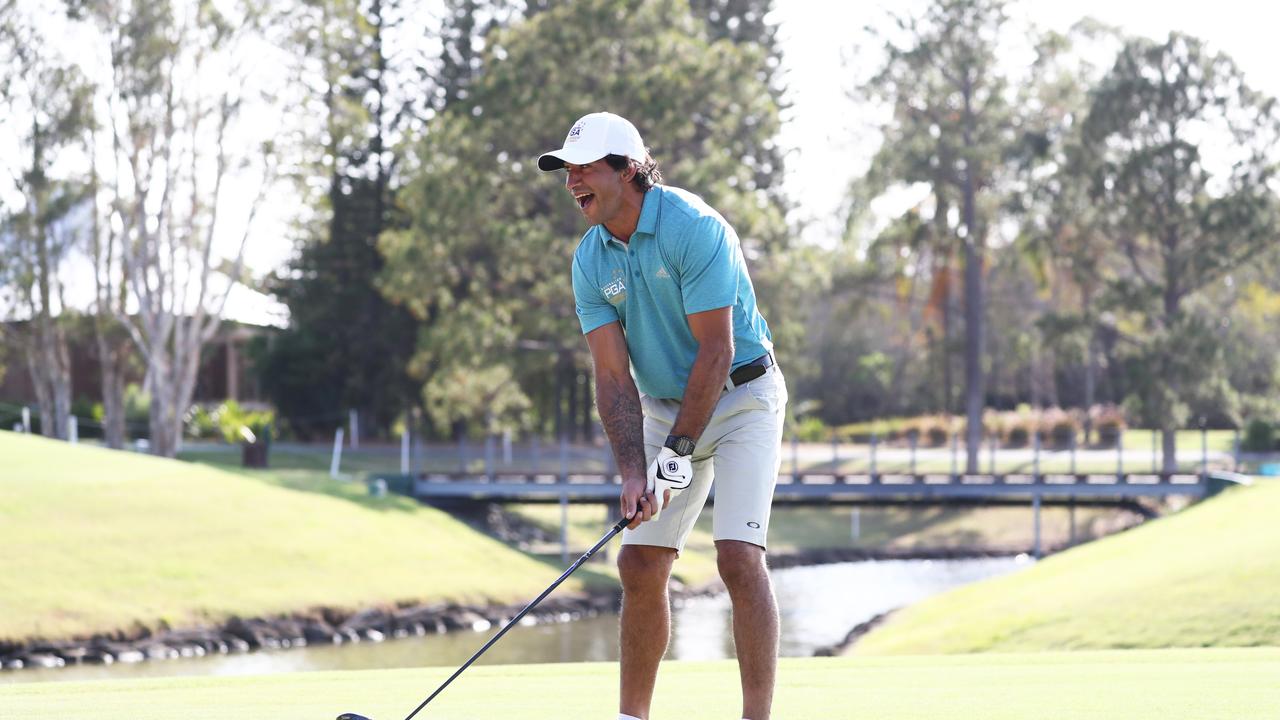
(973, 305)
(941, 230)
(113, 354)
(1090, 384)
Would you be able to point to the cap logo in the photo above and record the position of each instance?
(575, 133)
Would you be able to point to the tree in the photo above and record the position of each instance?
(484, 262)
(52, 101)
(1186, 172)
(1063, 235)
(177, 85)
(111, 337)
(356, 101)
(951, 127)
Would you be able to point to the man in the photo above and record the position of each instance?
(662, 291)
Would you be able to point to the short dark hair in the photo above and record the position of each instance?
(647, 172)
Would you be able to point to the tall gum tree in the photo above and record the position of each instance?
(950, 128)
(1186, 175)
(177, 81)
(49, 102)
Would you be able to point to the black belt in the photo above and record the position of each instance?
(751, 370)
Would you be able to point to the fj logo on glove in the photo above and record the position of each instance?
(673, 466)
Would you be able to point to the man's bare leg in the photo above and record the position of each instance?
(646, 622)
(755, 622)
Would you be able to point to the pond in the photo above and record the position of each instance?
(819, 605)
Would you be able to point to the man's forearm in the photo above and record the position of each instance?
(702, 392)
(619, 405)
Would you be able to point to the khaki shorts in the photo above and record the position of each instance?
(739, 452)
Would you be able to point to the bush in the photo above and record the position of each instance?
(233, 420)
(1259, 437)
(1018, 434)
(228, 420)
(1108, 423)
(812, 429)
(937, 434)
(1058, 428)
(201, 422)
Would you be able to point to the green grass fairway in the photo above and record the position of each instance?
(95, 540)
(1134, 685)
(1208, 576)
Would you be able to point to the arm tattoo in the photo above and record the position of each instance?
(623, 422)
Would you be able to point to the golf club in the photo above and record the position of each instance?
(617, 528)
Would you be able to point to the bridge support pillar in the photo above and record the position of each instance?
(564, 527)
(1035, 511)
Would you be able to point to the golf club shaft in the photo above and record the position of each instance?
(586, 556)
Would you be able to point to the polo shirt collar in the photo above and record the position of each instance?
(648, 222)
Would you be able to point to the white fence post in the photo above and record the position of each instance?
(73, 430)
(26, 420)
(337, 454)
(355, 429)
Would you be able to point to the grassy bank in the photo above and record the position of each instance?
(1138, 685)
(96, 540)
(1207, 576)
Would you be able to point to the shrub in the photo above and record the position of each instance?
(812, 429)
(1108, 423)
(937, 434)
(233, 420)
(201, 422)
(1018, 434)
(1259, 437)
(1058, 427)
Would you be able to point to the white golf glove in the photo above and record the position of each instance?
(668, 471)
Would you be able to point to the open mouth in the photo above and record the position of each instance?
(584, 200)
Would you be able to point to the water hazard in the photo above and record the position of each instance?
(819, 605)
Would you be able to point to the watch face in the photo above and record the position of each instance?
(681, 445)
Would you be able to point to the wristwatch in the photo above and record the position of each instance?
(680, 444)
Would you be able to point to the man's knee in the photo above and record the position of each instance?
(644, 568)
(740, 563)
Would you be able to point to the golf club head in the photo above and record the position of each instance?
(351, 716)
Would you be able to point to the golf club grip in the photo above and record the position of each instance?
(617, 528)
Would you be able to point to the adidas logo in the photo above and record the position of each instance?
(662, 273)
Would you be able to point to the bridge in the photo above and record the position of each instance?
(819, 488)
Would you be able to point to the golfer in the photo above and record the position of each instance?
(688, 391)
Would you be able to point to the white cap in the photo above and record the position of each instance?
(593, 137)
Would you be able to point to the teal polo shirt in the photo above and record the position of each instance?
(683, 258)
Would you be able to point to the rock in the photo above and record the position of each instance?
(236, 644)
(256, 633)
(369, 619)
(43, 660)
(130, 656)
(318, 632)
(159, 651)
(97, 657)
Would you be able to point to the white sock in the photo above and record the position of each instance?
(624, 716)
